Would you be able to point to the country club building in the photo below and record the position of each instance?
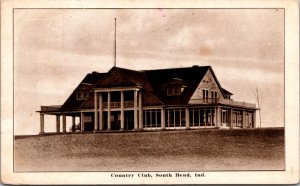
(178, 98)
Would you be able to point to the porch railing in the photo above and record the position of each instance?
(221, 101)
(117, 104)
(50, 108)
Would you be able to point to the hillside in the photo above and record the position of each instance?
(187, 150)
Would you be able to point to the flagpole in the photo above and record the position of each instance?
(115, 45)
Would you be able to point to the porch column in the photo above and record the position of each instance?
(244, 119)
(95, 111)
(64, 122)
(108, 111)
(254, 119)
(42, 123)
(218, 117)
(187, 118)
(73, 123)
(135, 110)
(162, 118)
(57, 123)
(122, 110)
(140, 111)
(82, 121)
(100, 111)
(230, 118)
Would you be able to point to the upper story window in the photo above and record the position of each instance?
(205, 94)
(214, 94)
(174, 91)
(227, 96)
(174, 87)
(82, 95)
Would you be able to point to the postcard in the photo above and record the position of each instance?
(148, 92)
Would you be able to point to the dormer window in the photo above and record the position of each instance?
(174, 91)
(227, 96)
(174, 87)
(82, 95)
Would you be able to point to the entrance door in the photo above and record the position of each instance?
(115, 119)
(129, 117)
(224, 118)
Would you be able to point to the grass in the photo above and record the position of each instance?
(187, 150)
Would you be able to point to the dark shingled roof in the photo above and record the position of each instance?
(120, 77)
(226, 92)
(86, 84)
(190, 76)
(153, 83)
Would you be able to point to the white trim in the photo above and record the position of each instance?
(173, 128)
(203, 127)
(175, 107)
(151, 108)
(152, 128)
(105, 109)
(86, 84)
(116, 89)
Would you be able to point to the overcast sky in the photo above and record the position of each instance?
(55, 48)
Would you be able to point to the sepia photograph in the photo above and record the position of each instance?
(149, 92)
(148, 89)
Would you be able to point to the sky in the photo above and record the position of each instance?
(55, 48)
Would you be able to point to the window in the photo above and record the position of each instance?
(227, 96)
(250, 118)
(174, 86)
(85, 95)
(112, 118)
(234, 118)
(237, 119)
(175, 117)
(152, 118)
(214, 94)
(87, 118)
(205, 95)
(202, 117)
(173, 91)
(240, 119)
(79, 96)
(224, 117)
(82, 95)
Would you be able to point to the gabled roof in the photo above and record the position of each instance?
(191, 76)
(153, 83)
(226, 92)
(121, 77)
(223, 91)
(86, 84)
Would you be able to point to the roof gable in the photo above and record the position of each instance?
(223, 91)
(120, 77)
(152, 82)
(226, 92)
(191, 76)
(208, 82)
(86, 84)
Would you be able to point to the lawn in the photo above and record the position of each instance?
(186, 150)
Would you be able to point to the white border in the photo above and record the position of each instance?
(291, 175)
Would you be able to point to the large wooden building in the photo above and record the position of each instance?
(178, 98)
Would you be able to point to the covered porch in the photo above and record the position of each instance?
(113, 109)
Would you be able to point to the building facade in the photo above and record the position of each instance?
(178, 98)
